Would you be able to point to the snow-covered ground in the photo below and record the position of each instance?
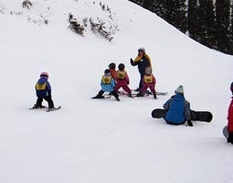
(105, 141)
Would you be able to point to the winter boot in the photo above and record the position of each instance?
(155, 97)
(140, 94)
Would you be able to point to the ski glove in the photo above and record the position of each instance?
(131, 61)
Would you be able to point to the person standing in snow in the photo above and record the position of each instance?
(142, 61)
(149, 81)
(230, 121)
(107, 85)
(123, 80)
(178, 109)
(43, 91)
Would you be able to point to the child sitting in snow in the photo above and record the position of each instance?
(149, 81)
(122, 79)
(107, 85)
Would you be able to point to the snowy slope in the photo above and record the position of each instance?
(103, 140)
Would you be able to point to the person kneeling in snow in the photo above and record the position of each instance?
(122, 80)
(178, 109)
(107, 85)
(148, 81)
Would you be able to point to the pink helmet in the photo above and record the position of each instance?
(45, 74)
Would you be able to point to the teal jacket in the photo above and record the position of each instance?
(178, 110)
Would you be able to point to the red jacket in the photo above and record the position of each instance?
(230, 117)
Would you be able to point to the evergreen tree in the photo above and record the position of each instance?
(224, 36)
(206, 23)
(193, 19)
(175, 13)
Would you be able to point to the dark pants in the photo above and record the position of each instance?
(141, 80)
(230, 138)
(47, 98)
(114, 93)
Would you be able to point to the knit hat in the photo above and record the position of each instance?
(106, 71)
(148, 70)
(141, 50)
(180, 89)
(121, 66)
(44, 74)
(112, 65)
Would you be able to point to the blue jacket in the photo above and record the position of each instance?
(43, 87)
(178, 110)
(108, 87)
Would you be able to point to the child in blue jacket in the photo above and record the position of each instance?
(43, 91)
(107, 85)
(178, 109)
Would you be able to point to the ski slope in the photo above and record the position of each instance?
(106, 141)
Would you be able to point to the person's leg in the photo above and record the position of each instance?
(38, 102)
(127, 89)
(152, 89)
(141, 80)
(50, 101)
(115, 94)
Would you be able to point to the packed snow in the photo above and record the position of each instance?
(106, 141)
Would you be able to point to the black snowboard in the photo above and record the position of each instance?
(53, 109)
(195, 115)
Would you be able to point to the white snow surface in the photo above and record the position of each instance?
(105, 141)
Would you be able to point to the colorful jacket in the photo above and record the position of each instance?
(109, 85)
(122, 77)
(142, 63)
(178, 110)
(113, 73)
(149, 79)
(230, 117)
(43, 87)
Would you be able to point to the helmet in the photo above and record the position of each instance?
(112, 66)
(121, 66)
(148, 70)
(141, 50)
(106, 71)
(44, 74)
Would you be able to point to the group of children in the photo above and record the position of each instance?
(113, 80)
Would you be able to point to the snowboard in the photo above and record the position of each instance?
(161, 93)
(103, 97)
(53, 109)
(47, 109)
(32, 108)
(201, 116)
(225, 131)
(205, 116)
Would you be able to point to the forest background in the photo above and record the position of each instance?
(209, 22)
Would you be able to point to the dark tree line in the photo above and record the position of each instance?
(210, 22)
